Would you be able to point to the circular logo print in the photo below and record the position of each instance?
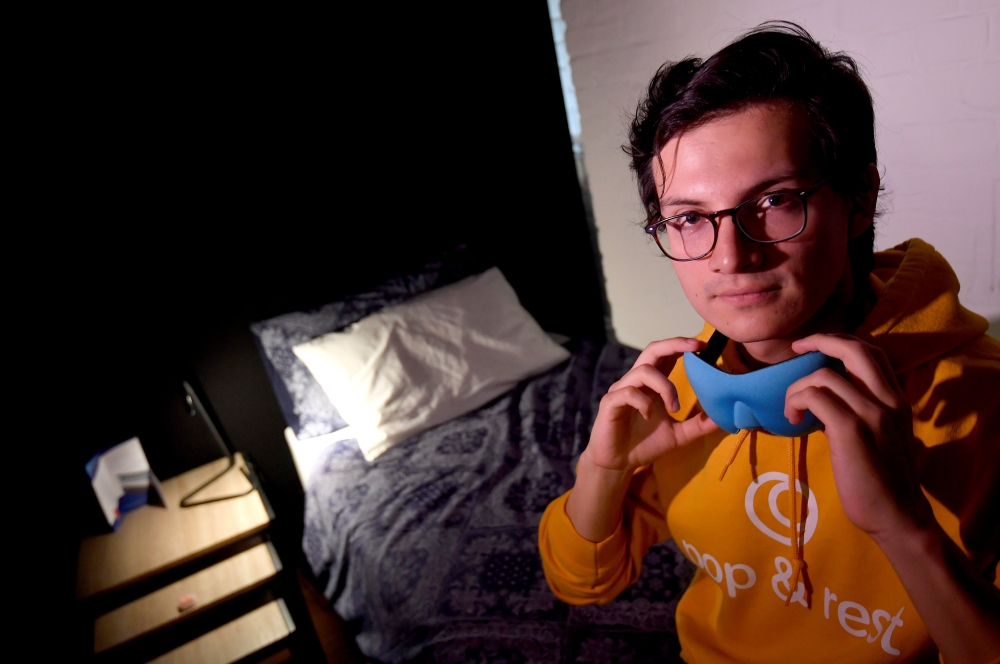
(781, 486)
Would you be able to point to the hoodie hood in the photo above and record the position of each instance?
(917, 316)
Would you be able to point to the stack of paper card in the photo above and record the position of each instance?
(122, 480)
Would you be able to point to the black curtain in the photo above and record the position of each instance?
(213, 170)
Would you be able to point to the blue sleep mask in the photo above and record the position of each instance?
(754, 400)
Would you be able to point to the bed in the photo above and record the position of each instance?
(429, 551)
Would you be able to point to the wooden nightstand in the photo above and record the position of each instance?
(130, 583)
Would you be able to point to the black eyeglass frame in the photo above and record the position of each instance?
(713, 217)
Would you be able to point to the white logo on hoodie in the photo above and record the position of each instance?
(812, 512)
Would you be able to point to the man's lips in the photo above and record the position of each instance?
(750, 295)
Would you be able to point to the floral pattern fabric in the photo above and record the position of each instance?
(431, 551)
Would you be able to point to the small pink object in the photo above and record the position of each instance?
(186, 602)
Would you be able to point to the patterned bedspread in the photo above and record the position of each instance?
(431, 551)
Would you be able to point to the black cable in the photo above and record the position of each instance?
(232, 462)
(196, 407)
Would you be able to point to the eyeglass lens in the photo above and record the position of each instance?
(771, 218)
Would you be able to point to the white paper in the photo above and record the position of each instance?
(108, 490)
(127, 458)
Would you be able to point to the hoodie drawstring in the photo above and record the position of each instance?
(752, 433)
(798, 561)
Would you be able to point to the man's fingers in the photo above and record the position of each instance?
(681, 433)
(663, 354)
(860, 362)
(693, 428)
(838, 385)
(833, 413)
(628, 397)
(652, 378)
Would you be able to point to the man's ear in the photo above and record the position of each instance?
(863, 212)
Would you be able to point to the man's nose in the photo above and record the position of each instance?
(734, 252)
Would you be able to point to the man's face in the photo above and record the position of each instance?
(753, 292)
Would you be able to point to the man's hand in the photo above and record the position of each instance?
(632, 429)
(870, 428)
(633, 426)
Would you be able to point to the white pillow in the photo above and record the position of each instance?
(433, 358)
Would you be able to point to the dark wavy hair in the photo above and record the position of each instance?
(777, 60)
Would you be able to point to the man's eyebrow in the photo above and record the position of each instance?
(764, 185)
(667, 202)
(747, 194)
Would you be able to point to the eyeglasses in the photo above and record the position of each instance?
(774, 217)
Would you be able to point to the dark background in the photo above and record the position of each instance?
(218, 170)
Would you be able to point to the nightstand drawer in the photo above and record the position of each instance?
(211, 586)
(152, 540)
(237, 639)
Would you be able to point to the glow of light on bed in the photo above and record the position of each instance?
(305, 453)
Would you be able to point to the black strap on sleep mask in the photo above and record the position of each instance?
(716, 344)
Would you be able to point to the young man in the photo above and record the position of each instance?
(758, 171)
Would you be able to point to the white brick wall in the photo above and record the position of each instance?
(934, 69)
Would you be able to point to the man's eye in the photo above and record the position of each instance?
(685, 223)
(777, 200)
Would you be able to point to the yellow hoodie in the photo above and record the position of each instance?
(848, 604)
